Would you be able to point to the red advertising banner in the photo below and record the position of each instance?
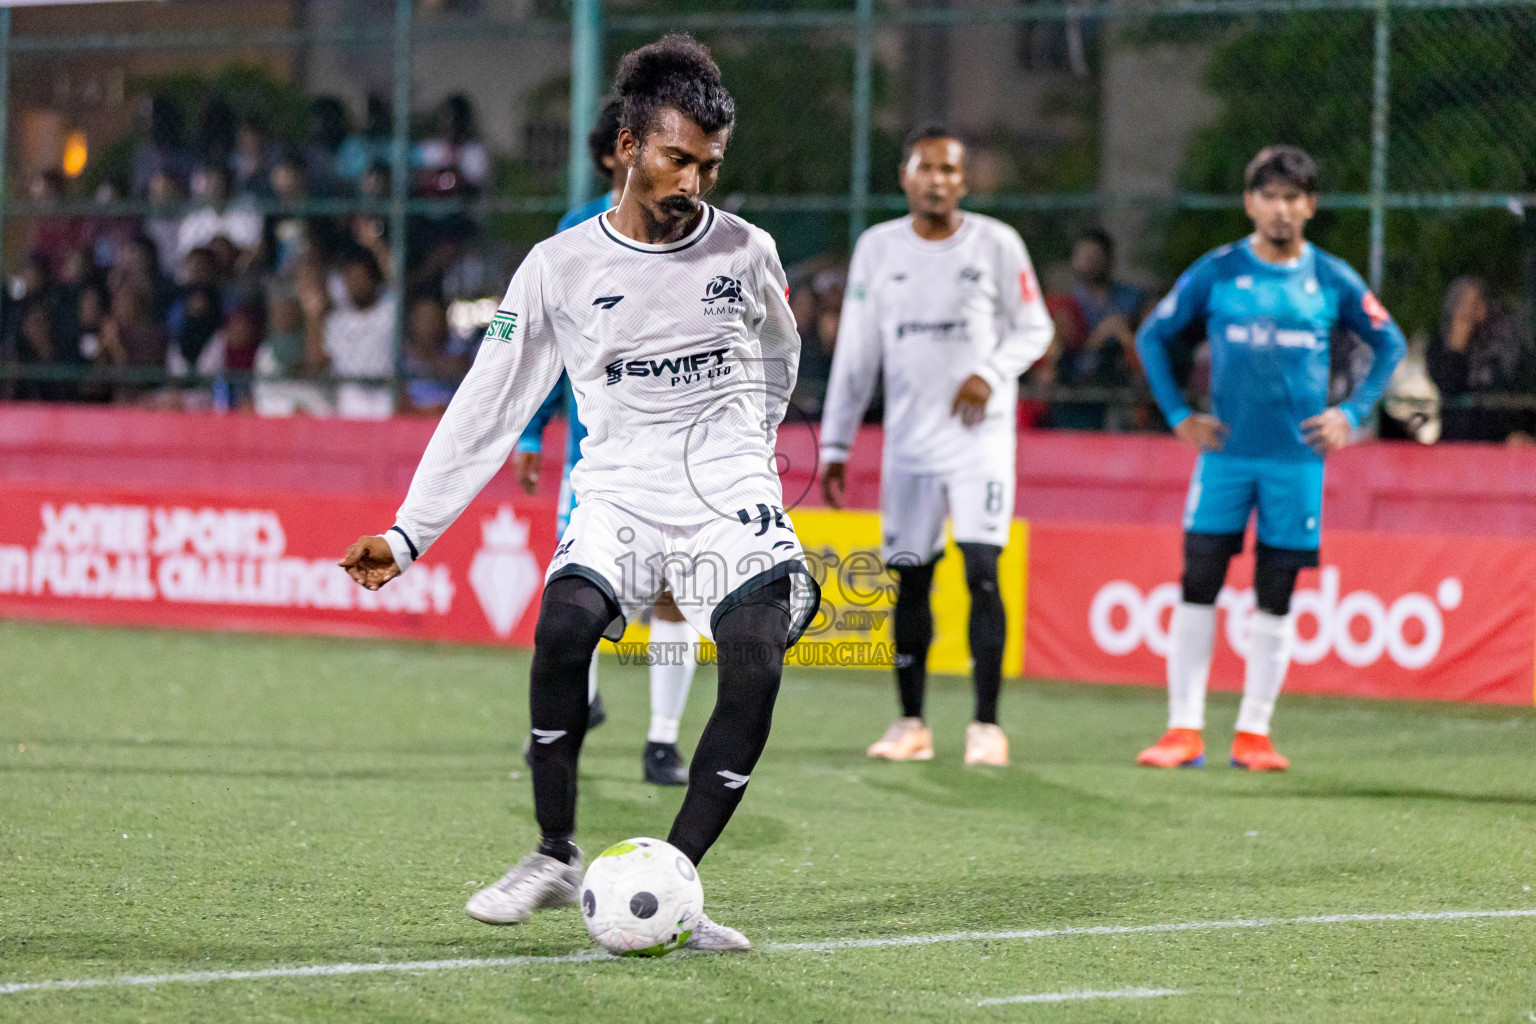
(268, 563)
(1386, 615)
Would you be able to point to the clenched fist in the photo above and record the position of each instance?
(370, 562)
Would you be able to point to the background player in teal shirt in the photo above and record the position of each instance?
(1270, 305)
(674, 643)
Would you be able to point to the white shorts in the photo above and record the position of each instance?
(709, 567)
(913, 507)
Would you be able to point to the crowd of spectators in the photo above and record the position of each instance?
(228, 293)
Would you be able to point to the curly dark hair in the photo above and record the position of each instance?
(676, 71)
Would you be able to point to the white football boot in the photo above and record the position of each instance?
(537, 882)
(716, 938)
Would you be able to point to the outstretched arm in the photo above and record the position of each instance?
(517, 364)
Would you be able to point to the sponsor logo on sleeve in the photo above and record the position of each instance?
(1029, 290)
(502, 326)
(1375, 310)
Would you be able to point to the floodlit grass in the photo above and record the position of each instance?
(178, 802)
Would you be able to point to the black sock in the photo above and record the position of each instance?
(571, 621)
(750, 640)
(989, 626)
(913, 627)
(559, 847)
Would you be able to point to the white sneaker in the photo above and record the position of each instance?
(716, 938)
(537, 882)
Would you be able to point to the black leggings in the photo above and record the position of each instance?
(571, 621)
(750, 640)
(914, 630)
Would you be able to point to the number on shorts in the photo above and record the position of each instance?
(994, 497)
(765, 516)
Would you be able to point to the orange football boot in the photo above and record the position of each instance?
(1179, 748)
(1255, 753)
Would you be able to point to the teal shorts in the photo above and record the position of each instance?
(1287, 495)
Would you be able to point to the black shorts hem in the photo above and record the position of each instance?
(799, 621)
(599, 581)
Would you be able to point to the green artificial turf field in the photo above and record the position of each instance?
(174, 803)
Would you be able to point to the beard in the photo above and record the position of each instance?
(679, 205)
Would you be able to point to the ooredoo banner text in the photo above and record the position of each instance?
(1386, 615)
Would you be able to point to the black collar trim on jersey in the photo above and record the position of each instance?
(699, 232)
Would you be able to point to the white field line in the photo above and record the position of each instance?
(826, 946)
(830, 945)
(1075, 994)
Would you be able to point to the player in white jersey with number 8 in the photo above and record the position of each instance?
(946, 303)
(672, 321)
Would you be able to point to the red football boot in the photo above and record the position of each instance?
(1179, 748)
(1257, 754)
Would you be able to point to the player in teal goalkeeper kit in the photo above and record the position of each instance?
(1269, 305)
(674, 642)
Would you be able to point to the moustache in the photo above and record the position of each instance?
(679, 204)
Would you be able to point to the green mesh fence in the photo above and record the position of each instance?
(1138, 116)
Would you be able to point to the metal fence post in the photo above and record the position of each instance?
(586, 69)
(1380, 82)
(400, 174)
(858, 184)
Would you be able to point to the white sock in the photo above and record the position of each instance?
(671, 676)
(1269, 655)
(592, 678)
(1191, 639)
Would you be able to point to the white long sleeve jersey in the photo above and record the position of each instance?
(932, 314)
(682, 357)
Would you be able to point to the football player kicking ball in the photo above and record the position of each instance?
(946, 303)
(674, 643)
(1269, 305)
(671, 320)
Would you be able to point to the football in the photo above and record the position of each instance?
(641, 898)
